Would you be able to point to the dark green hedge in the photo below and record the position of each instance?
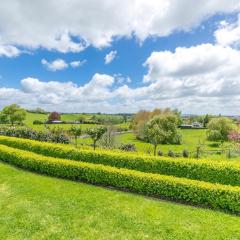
(195, 192)
(223, 172)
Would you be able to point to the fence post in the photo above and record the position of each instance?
(229, 153)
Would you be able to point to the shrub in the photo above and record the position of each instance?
(185, 153)
(37, 122)
(160, 153)
(196, 192)
(224, 172)
(128, 147)
(214, 145)
(171, 153)
(22, 132)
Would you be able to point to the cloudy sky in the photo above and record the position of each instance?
(121, 55)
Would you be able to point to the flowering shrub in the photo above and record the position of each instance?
(234, 136)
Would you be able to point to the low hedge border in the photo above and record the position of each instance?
(204, 170)
(191, 191)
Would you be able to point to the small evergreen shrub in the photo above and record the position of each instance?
(37, 122)
(185, 153)
(171, 153)
(160, 153)
(129, 147)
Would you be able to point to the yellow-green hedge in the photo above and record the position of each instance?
(205, 170)
(195, 192)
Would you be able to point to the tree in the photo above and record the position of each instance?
(108, 139)
(95, 134)
(219, 129)
(3, 118)
(14, 114)
(82, 119)
(125, 118)
(206, 120)
(39, 110)
(76, 132)
(142, 117)
(162, 129)
(54, 116)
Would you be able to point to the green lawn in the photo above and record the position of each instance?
(40, 207)
(190, 140)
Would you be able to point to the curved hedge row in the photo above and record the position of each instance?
(196, 192)
(216, 172)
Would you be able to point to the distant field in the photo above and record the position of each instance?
(191, 138)
(64, 117)
(40, 207)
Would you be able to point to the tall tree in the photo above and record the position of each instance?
(162, 129)
(142, 117)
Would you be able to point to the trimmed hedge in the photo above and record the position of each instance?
(216, 172)
(195, 192)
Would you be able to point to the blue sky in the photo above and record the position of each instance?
(194, 79)
(129, 61)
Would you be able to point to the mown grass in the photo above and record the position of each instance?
(191, 139)
(40, 207)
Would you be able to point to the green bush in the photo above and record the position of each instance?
(223, 172)
(28, 133)
(185, 153)
(37, 122)
(128, 147)
(171, 153)
(195, 192)
(160, 153)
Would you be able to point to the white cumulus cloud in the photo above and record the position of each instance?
(205, 70)
(76, 64)
(110, 57)
(73, 25)
(228, 33)
(9, 51)
(58, 64)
